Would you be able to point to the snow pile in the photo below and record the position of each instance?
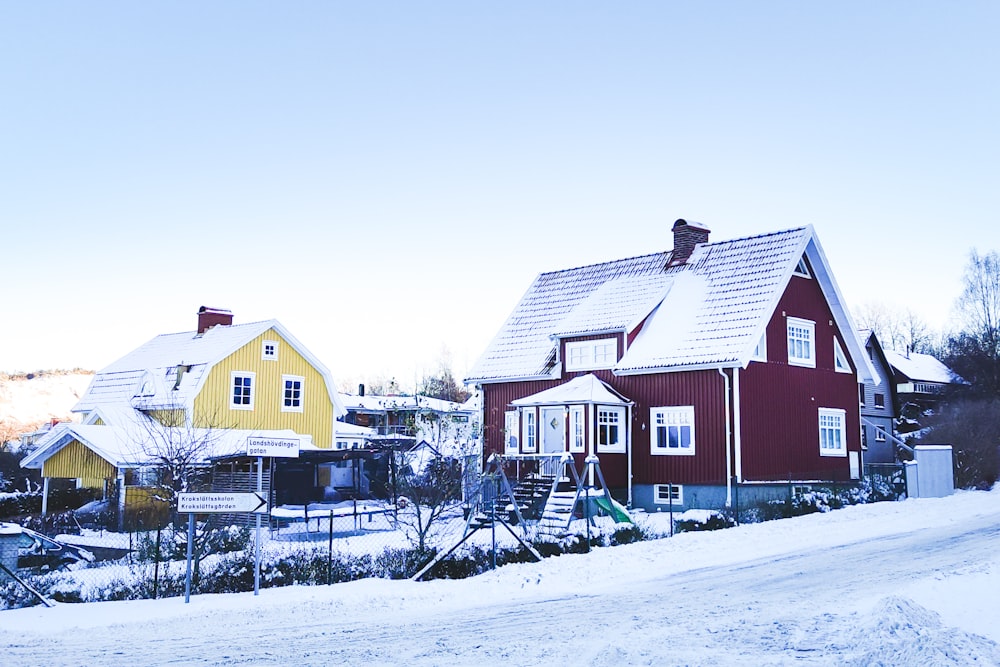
(901, 632)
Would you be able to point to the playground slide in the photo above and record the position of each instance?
(616, 510)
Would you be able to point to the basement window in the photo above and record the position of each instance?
(668, 494)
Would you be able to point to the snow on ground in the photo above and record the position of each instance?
(913, 582)
(26, 404)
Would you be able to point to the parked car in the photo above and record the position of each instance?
(39, 553)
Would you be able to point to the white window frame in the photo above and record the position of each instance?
(669, 418)
(879, 434)
(529, 430)
(832, 432)
(269, 350)
(285, 379)
(233, 405)
(878, 400)
(840, 362)
(802, 268)
(604, 412)
(591, 354)
(801, 336)
(577, 430)
(760, 352)
(512, 431)
(665, 494)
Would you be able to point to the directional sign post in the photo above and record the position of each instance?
(216, 503)
(221, 503)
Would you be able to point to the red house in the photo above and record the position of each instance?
(692, 374)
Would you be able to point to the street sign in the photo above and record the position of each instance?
(277, 447)
(216, 503)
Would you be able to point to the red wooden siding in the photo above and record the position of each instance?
(780, 403)
(702, 389)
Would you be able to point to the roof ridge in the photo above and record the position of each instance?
(663, 253)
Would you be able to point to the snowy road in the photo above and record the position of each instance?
(833, 602)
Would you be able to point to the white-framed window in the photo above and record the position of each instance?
(577, 442)
(861, 394)
(529, 430)
(880, 400)
(291, 393)
(610, 429)
(589, 354)
(269, 350)
(672, 430)
(242, 385)
(840, 363)
(512, 430)
(668, 494)
(342, 444)
(879, 434)
(802, 268)
(801, 347)
(760, 352)
(832, 434)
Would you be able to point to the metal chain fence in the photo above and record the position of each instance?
(513, 511)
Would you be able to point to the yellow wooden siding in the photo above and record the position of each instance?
(99, 422)
(76, 461)
(211, 406)
(168, 417)
(93, 483)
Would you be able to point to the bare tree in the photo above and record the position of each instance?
(427, 497)
(895, 329)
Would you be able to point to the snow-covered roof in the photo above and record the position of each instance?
(136, 443)
(708, 312)
(168, 371)
(918, 367)
(345, 430)
(385, 403)
(582, 389)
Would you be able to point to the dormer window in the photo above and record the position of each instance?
(802, 269)
(591, 354)
(147, 386)
(269, 350)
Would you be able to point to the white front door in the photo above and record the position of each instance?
(553, 430)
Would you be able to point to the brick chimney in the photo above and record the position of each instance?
(686, 236)
(210, 317)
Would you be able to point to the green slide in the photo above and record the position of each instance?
(614, 509)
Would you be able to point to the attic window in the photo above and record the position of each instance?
(269, 350)
(802, 269)
(840, 363)
(590, 354)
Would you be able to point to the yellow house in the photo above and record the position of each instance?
(237, 379)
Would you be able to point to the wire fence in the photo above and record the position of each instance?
(107, 556)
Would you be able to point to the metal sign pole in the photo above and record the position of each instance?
(260, 489)
(190, 545)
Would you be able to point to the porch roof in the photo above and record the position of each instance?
(583, 389)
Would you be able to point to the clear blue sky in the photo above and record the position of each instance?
(387, 178)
